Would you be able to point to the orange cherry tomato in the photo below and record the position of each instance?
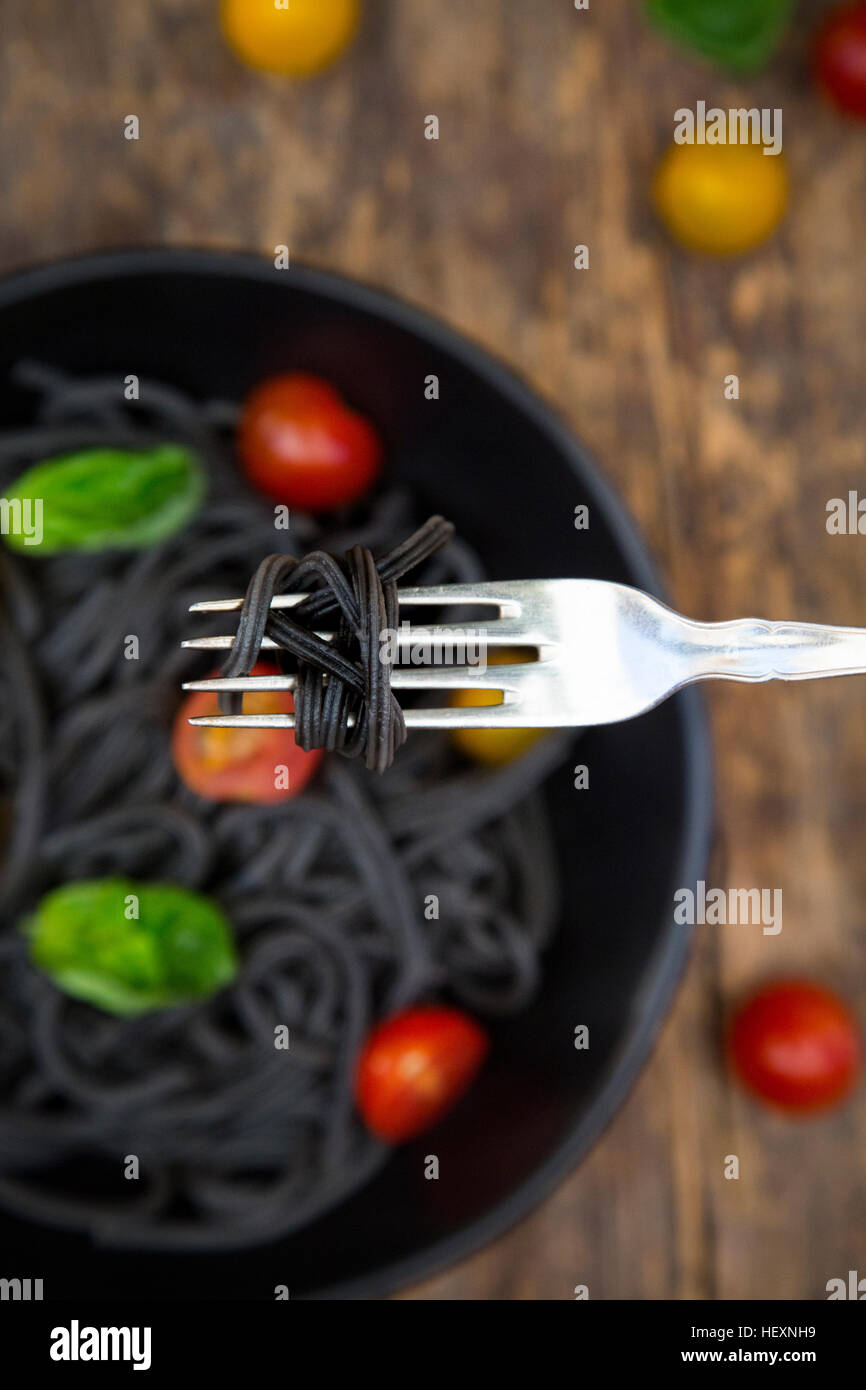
(241, 764)
(796, 1045)
(721, 200)
(301, 444)
(294, 38)
(493, 747)
(414, 1067)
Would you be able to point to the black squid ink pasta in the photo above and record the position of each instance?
(238, 1143)
(333, 689)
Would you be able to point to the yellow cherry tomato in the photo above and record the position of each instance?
(721, 199)
(493, 746)
(295, 40)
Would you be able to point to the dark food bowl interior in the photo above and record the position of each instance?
(491, 457)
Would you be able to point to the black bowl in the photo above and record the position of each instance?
(491, 456)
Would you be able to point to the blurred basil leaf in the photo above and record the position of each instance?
(108, 499)
(86, 937)
(741, 34)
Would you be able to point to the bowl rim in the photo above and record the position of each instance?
(661, 978)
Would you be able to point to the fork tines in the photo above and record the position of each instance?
(433, 642)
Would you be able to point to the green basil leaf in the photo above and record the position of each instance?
(105, 499)
(87, 938)
(741, 34)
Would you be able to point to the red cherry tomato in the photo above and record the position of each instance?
(796, 1045)
(241, 764)
(840, 58)
(415, 1067)
(301, 444)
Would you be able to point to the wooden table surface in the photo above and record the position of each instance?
(551, 120)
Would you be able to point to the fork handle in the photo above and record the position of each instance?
(751, 649)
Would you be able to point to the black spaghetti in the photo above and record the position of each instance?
(237, 1142)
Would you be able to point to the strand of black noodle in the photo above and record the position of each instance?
(239, 1143)
(24, 727)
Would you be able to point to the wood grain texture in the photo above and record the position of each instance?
(551, 121)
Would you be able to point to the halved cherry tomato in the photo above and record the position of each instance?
(241, 764)
(414, 1067)
(301, 444)
(294, 39)
(840, 58)
(796, 1045)
(493, 747)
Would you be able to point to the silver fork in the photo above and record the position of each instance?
(606, 652)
